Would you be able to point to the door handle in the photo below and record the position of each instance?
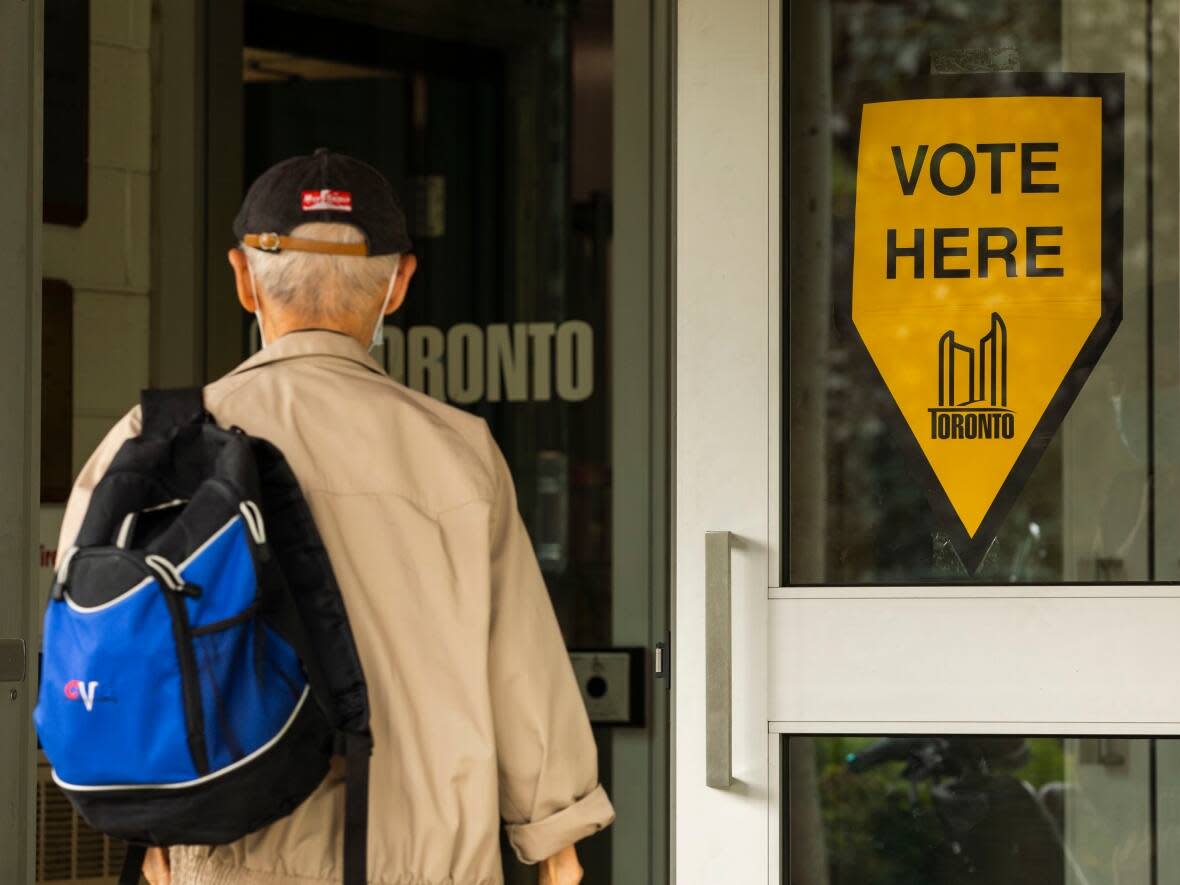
(718, 662)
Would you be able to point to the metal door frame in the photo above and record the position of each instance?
(21, 51)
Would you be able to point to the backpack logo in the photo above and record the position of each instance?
(77, 689)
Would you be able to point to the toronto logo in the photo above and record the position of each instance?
(973, 387)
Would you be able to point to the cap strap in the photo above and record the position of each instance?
(276, 243)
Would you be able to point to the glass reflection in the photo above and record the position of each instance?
(1011, 810)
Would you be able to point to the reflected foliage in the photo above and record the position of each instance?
(899, 823)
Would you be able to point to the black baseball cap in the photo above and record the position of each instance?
(326, 186)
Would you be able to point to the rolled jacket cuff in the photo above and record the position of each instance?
(536, 840)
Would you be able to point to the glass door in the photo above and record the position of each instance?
(533, 188)
(925, 442)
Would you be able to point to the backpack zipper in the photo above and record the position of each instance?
(190, 682)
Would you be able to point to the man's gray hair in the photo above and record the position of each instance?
(319, 285)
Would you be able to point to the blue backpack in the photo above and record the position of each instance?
(198, 669)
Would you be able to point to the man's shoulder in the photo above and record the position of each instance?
(470, 427)
(438, 454)
(471, 435)
(381, 392)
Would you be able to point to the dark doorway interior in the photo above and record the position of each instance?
(497, 136)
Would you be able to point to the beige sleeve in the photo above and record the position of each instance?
(94, 469)
(550, 796)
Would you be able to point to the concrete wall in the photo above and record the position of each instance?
(107, 259)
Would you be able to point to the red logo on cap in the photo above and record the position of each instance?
(332, 201)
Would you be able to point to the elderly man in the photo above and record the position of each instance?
(475, 711)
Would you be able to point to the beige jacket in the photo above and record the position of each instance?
(475, 711)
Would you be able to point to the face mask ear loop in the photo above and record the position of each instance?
(379, 329)
(257, 303)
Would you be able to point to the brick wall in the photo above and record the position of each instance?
(107, 259)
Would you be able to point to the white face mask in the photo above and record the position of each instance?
(379, 329)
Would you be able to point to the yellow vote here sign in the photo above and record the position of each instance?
(986, 276)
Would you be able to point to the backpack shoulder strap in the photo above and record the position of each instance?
(357, 750)
(132, 865)
(164, 410)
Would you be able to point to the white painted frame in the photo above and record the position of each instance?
(725, 438)
(975, 660)
(960, 659)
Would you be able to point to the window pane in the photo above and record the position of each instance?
(1007, 810)
(1094, 504)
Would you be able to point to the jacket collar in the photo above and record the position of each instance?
(311, 342)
